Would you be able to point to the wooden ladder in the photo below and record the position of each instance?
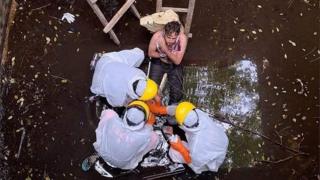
(188, 10)
(109, 25)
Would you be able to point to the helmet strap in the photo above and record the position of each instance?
(130, 123)
(134, 86)
(195, 124)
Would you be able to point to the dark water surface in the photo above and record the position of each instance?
(257, 61)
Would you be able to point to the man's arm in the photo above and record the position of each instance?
(176, 56)
(152, 50)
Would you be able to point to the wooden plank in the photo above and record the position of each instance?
(103, 20)
(114, 37)
(184, 10)
(159, 6)
(135, 11)
(189, 16)
(118, 15)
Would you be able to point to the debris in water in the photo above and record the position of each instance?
(301, 84)
(293, 43)
(48, 40)
(21, 140)
(265, 64)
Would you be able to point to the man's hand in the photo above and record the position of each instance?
(156, 107)
(163, 46)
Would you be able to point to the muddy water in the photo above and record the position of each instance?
(257, 61)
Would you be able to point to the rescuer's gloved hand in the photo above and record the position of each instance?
(156, 107)
(151, 119)
(177, 145)
(171, 110)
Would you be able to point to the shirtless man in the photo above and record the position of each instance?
(167, 48)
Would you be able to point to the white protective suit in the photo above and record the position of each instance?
(207, 145)
(120, 146)
(114, 75)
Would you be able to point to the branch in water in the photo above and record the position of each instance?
(222, 118)
(281, 160)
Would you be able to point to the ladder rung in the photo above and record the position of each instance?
(185, 10)
(118, 15)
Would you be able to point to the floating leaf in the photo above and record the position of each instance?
(284, 116)
(48, 40)
(293, 43)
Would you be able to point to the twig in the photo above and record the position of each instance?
(285, 128)
(299, 145)
(280, 137)
(281, 160)
(21, 140)
(58, 77)
(224, 119)
(290, 3)
(314, 59)
(53, 17)
(36, 9)
(310, 51)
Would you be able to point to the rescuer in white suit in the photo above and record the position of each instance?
(207, 143)
(122, 143)
(118, 79)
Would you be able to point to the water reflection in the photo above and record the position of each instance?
(230, 90)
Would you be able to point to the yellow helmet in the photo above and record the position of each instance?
(150, 91)
(183, 110)
(142, 106)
